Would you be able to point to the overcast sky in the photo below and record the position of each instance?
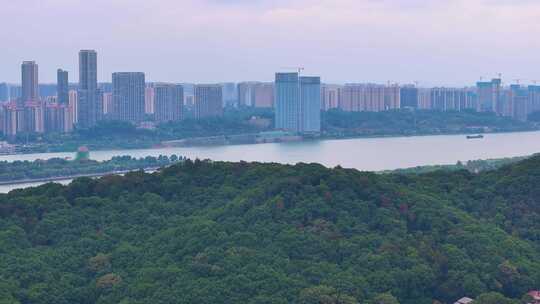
(435, 42)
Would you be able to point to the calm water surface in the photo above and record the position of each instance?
(371, 154)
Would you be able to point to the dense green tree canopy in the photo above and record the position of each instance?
(216, 232)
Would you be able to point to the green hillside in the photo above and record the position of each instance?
(204, 232)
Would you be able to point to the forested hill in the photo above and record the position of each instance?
(214, 232)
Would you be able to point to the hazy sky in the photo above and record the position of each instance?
(435, 42)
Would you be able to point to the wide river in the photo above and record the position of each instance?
(370, 154)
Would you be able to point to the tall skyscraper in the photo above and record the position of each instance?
(4, 92)
(409, 97)
(297, 103)
(62, 86)
(534, 98)
(168, 102)
(264, 95)
(149, 100)
(310, 106)
(73, 106)
(287, 102)
(128, 96)
(255, 94)
(229, 93)
(30, 82)
(88, 70)
(107, 103)
(208, 100)
(490, 96)
(89, 107)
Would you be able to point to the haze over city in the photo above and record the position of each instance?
(451, 43)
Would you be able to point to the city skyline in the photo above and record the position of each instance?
(448, 43)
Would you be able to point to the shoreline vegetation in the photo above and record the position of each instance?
(271, 233)
(57, 169)
(472, 166)
(253, 126)
(54, 169)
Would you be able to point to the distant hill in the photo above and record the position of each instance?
(217, 232)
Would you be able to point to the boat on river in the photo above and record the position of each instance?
(479, 136)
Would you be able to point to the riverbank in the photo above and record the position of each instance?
(20, 172)
(71, 177)
(369, 154)
(252, 139)
(252, 126)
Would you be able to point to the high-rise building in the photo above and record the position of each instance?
(15, 92)
(30, 82)
(310, 106)
(297, 103)
(245, 91)
(424, 98)
(330, 96)
(4, 92)
(534, 98)
(365, 97)
(517, 103)
(62, 86)
(409, 97)
(168, 102)
(208, 100)
(89, 107)
(263, 95)
(33, 120)
(128, 96)
(255, 94)
(107, 103)
(392, 97)
(287, 102)
(88, 70)
(490, 96)
(149, 100)
(13, 119)
(73, 103)
(229, 94)
(47, 90)
(58, 118)
(448, 99)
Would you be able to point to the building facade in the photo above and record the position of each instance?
(128, 96)
(310, 107)
(297, 103)
(208, 101)
(149, 100)
(89, 107)
(169, 102)
(287, 102)
(409, 97)
(330, 95)
(29, 81)
(62, 86)
(490, 96)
